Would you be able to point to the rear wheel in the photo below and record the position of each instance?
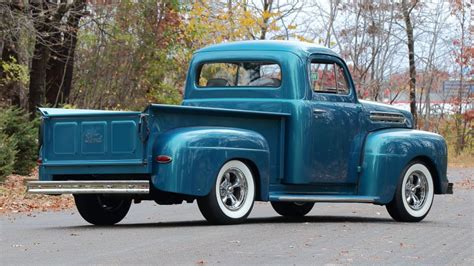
(414, 195)
(292, 209)
(100, 209)
(231, 198)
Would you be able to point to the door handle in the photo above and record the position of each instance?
(319, 111)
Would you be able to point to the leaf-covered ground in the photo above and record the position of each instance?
(14, 199)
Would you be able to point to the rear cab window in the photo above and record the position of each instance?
(239, 74)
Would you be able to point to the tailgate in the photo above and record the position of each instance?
(92, 142)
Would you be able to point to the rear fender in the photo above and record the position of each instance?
(387, 153)
(198, 153)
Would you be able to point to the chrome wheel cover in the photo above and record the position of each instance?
(233, 189)
(416, 189)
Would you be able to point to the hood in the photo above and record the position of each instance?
(385, 116)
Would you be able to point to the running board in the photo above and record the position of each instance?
(89, 187)
(323, 198)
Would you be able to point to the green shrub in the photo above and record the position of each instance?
(7, 155)
(15, 124)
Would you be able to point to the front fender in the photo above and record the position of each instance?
(387, 153)
(199, 152)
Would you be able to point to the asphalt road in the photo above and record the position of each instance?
(332, 233)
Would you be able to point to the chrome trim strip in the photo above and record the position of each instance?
(89, 187)
(61, 163)
(389, 117)
(323, 198)
(385, 113)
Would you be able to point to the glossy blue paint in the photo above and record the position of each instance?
(386, 154)
(296, 140)
(91, 142)
(199, 152)
(200, 140)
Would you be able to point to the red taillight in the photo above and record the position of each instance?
(163, 159)
(39, 161)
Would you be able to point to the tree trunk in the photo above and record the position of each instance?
(459, 123)
(70, 44)
(10, 90)
(267, 7)
(37, 76)
(55, 70)
(411, 57)
(426, 124)
(61, 62)
(9, 47)
(40, 57)
(332, 14)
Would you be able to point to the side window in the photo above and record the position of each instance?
(328, 78)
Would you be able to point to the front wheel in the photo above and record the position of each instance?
(414, 195)
(100, 209)
(231, 198)
(292, 209)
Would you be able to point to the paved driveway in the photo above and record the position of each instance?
(332, 233)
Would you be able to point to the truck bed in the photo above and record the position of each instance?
(94, 142)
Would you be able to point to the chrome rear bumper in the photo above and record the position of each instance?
(89, 187)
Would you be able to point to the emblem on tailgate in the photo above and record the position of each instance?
(92, 136)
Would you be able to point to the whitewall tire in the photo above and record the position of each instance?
(414, 194)
(232, 196)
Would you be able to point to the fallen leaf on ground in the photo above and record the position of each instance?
(14, 199)
(466, 183)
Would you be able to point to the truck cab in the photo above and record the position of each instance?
(270, 121)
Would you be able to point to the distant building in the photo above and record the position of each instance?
(451, 87)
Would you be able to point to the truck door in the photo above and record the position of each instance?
(335, 137)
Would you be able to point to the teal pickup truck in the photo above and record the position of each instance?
(260, 121)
